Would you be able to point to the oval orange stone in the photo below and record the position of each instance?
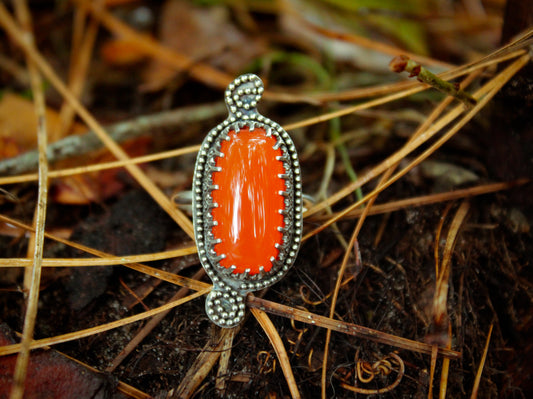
(248, 201)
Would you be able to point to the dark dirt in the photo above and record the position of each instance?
(391, 291)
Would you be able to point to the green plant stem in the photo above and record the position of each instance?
(403, 63)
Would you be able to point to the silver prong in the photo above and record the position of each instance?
(243, 275)
(219, 258)
(259, 275)
(275, 264)
(226, 270)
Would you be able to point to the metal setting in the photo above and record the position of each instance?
(225, 303)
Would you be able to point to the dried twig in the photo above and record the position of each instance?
(344, 327)
(81, 144)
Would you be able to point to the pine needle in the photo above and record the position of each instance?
(59, 339)
(32, 280)
(479, 373)
(278, 346)
(16, 36)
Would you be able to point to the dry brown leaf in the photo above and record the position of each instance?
(201, 34)
(95, 186)
(18, 123)
(121, 52)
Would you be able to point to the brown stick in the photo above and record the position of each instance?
(346, 328)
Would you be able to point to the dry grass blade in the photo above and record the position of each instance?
(438, 234)
(338, 283)
(404, 90)
(16, 36)
(358, 227)
(150, 325)
(406, 86)
(106, 260)
(491, 87)
(32, 280)
(121, 131)
(278, 346)
(427, 200)
(58, 339)
(157, 273)
(203, 364)
(440, 326)
(477, 381)
(126, 389)
(441, 290)
(371, 44)
(199, 71)
(432, 367)
(83, 43)
(223, 365)
(54, 174)
(488, 91)
(445, 367)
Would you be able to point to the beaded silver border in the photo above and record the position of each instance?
(225, 303)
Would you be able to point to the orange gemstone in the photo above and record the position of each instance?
(248, 201)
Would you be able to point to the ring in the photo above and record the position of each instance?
(247, 203)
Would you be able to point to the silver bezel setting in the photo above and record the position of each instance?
(225, 302)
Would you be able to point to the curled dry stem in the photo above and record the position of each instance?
(381, 367)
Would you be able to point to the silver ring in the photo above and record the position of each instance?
(247, 203)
